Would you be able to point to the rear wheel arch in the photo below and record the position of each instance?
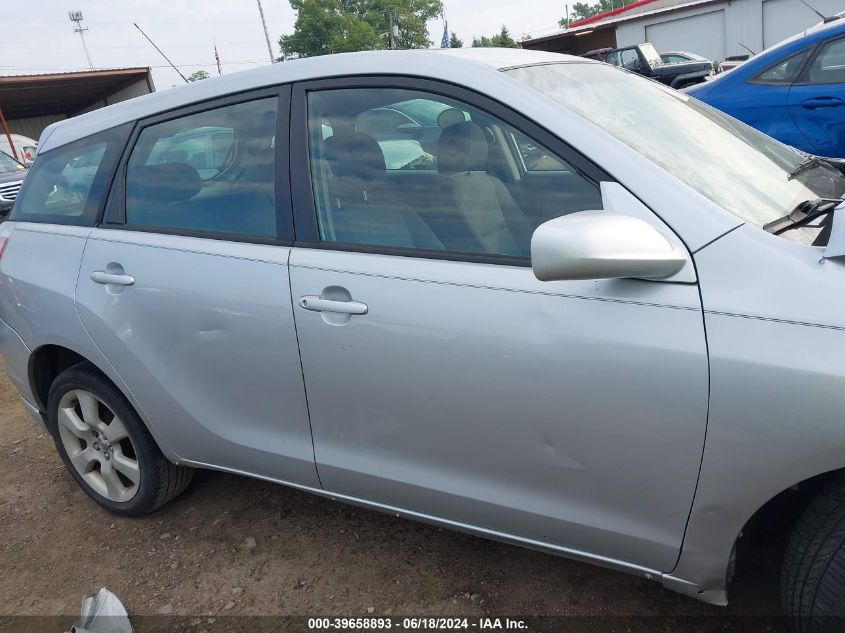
(47, 362)
(50, 360)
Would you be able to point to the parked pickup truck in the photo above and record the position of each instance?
(645, 60)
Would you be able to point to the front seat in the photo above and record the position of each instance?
(363, 209)
(474, 211)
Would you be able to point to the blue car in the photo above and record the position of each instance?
(794, 91)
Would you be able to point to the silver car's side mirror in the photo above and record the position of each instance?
(601, 245)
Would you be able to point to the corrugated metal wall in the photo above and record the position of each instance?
(756, 23)
(33, 126)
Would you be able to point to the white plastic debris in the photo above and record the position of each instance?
(103, 613)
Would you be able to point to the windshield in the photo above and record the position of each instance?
(9, 164)
(732, 164)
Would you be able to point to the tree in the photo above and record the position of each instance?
(337, 26)
(198, 76)
(502, 40)
(581, 10)
(455, 41)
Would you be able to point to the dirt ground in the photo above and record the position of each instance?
(233, 546)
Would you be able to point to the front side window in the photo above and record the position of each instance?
(784, 72)
(409, 169)
(739, 168)
(212, 171)
(67, 185)
(829, 65)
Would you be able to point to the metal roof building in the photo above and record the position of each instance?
(715, 29)
(29, 103)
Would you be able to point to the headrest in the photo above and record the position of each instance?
(450, 116)
(166, 182)
(355, 155)
(462, 147)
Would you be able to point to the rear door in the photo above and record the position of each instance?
(817, 100)
(184, 287)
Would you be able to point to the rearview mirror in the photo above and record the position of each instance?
(601, 245)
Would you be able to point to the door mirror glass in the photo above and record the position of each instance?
(599, 245)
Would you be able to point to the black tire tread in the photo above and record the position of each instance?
(813, 573)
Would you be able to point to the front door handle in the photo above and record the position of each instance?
(317, 304)
(102, 277)
(821, 102)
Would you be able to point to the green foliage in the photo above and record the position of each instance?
(581, 10)
(338, 26)
(198, 76)
(455, 41)
(502, 40)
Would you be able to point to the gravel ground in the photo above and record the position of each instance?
(232, 546)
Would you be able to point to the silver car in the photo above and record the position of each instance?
(605, 322)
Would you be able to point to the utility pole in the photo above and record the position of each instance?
(392, 31)
(76, 16)
(266, 34)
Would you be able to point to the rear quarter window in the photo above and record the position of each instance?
(68, 184)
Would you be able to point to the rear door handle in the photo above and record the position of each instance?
(821, 102)
(315, 303)
(102, 277)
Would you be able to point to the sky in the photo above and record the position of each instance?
(43, 38)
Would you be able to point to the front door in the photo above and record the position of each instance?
(186, 291)
(443, 378)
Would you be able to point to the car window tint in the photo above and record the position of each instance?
(407, 169)
(67, 185)
(829, 66)
(784, 72)
(212, 171)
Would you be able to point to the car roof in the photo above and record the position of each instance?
(465, 65)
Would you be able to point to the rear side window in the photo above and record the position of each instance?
(208, 172)
(67, 185)
(784, 72)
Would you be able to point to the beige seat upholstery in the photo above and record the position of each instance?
(473, 211)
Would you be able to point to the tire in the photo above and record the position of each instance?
(106, 447)
(813, 576)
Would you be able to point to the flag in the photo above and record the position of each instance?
(444, 43)
(217, 59)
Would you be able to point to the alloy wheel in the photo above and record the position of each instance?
(98, 445)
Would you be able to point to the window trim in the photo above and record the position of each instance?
(114, 215)
(804, 76)
(306, 230)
